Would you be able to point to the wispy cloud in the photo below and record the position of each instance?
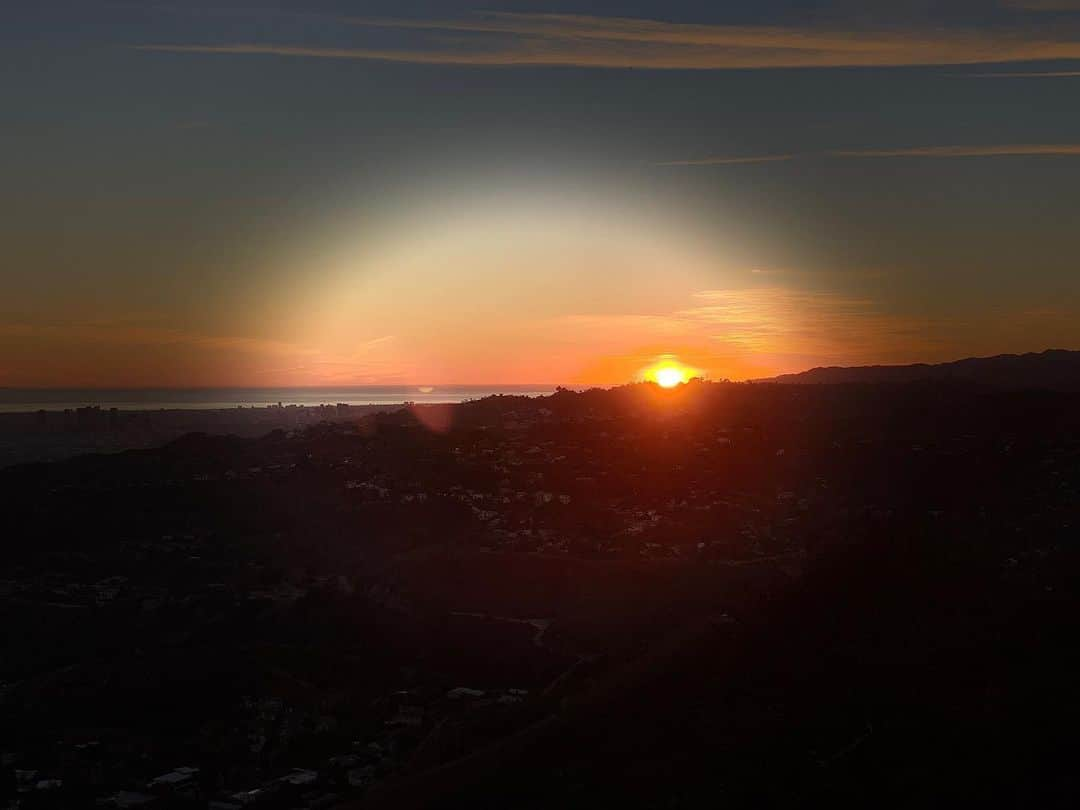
(774, 321)
(780, 320)
(503, 39)
(1000, 150)
(951, 151)
(1044, 74)
(759, 331)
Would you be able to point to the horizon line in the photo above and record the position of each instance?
(436, 386)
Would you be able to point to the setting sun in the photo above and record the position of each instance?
(669, 377)
(668, 372)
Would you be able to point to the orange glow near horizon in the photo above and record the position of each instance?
(506, 287)
(523, 287)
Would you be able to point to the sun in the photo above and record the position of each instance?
(669, 377)
(668, 371)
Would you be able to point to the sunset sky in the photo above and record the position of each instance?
(260, 192)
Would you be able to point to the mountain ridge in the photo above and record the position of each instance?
(1052, 369)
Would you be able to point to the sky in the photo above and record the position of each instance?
(271, 193)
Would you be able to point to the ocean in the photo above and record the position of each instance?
(149, 399)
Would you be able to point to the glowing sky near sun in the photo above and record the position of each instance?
(285, 194)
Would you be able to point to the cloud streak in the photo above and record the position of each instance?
(780, 323)
(754, 331)
(504, 39)
(951, 151)
(779, 320)
(1000, 150)
(1045, 74)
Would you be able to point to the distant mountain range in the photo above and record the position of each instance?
(1054, 369)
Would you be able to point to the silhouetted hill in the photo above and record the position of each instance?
(1053, 369)
(719, 593)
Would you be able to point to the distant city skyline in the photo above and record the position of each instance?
(272, 193)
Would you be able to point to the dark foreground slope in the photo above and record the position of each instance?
(889, 677)
(925, 658)
(755, 594)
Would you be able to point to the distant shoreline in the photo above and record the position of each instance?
(32, 400)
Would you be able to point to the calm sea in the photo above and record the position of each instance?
(143, 399)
